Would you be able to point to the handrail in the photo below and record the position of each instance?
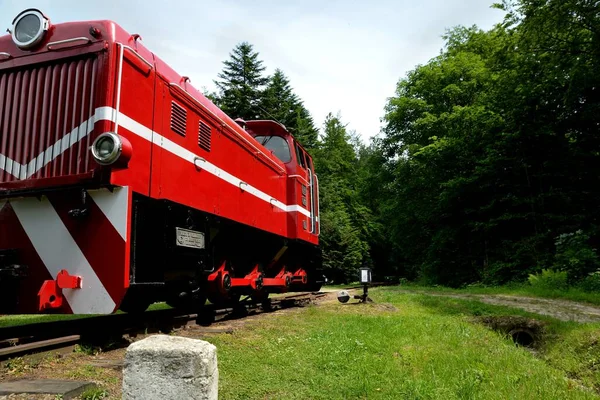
(313, 229)
(118, 101)
(193, 99)
(318, 216)
(75, 39)
(122, 47)
(138, 55)
(300, 178)
(198, 159)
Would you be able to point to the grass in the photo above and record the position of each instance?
(25, 319)
(570, 347)
(427, 349)
(17, 320)
(341, 286)
(520, 289)
(94, 393)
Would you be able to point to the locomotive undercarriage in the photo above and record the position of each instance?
(11, 274)
(184, 257)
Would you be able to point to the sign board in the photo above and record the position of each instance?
(189, 238)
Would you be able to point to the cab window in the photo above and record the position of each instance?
(300, 157)
(309, 163)
(278, 145)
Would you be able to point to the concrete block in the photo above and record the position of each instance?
(170, 367)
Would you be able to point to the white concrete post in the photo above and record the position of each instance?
(170, 367)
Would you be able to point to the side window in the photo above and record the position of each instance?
(309, 163)
(300, 156)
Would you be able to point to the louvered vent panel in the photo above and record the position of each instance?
(46, 119)
(204, 136)
(178, 118)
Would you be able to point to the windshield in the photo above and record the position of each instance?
(278, 145)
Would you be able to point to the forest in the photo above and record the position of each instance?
(487, 166)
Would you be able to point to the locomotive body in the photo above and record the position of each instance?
(122, 185)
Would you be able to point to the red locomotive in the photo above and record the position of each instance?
(122, 185)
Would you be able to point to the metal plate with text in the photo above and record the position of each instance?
(188, 238)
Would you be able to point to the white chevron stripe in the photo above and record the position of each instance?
(57, 250)
(25, 171)
(114, 206)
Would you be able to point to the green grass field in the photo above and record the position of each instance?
(407, 345)
(428, 348)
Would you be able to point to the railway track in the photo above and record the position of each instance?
(44, 336)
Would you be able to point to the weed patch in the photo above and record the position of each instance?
(95, 393)
(18, 366)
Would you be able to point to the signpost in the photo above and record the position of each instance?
(365, 280)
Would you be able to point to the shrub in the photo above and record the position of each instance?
(591, 283)
(575, 255)
(549, 279)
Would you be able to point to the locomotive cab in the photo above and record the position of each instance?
(302, 185)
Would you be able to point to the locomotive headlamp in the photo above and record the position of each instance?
(29, 28)
(108, 148)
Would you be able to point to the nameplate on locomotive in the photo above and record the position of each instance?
(188, 238)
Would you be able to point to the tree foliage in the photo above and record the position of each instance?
(243, 91)
(241, 83)
(492, 147)
(279, 102)
(345, 220)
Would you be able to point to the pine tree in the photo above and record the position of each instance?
(241, 83)
(279, 102)
(344, 221)
(304, 129)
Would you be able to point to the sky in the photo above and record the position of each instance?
(341, 56)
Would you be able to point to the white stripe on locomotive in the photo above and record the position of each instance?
(58, 250)
(110, 114)
(114, 206)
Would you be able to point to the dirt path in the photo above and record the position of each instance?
(564, 310)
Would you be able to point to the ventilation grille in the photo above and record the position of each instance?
(46, 124)
(178, 118)
(204, 136)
